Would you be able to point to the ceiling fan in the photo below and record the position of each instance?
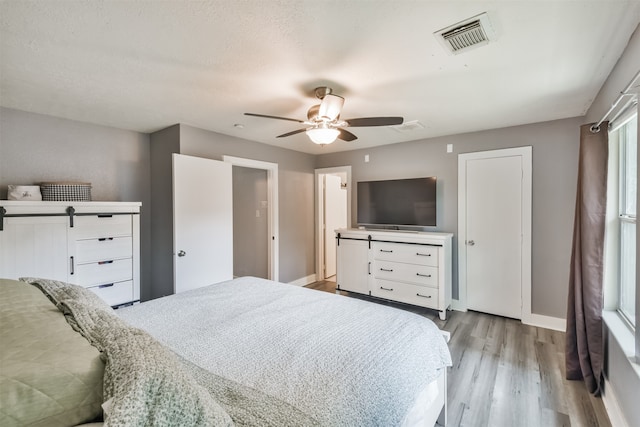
(324, 120)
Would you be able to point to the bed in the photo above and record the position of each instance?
(243, 352)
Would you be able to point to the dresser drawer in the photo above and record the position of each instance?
(100, 273)
(104, 248)
(411, 273)
(404, 292)
(88, 227)
(412, 254)
(115, 293)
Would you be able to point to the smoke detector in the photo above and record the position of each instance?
(468, 34)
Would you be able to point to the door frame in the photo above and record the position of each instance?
(320, 212)
(272, 208)
(525, 275)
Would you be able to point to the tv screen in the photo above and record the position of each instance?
(397, 202)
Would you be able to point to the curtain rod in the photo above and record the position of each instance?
(596, 128)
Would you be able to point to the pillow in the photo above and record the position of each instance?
(49, 374)
(144, 383)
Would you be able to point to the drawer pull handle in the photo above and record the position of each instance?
(386, 251)
(388, 270)
(73, 267)
(386, 289)
(105, 262)
(419, 254)
(105, 216)
(108, 285)
(423, 275)
(102, 239)
(424, 296)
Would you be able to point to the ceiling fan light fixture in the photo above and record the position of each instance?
(323, 135)
(331, 106)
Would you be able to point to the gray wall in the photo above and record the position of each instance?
(555, 161)
(36, 148)
(163, 144)
(623, 378)
(296, 192)
(250, 231)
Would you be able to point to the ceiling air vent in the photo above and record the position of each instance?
(408, 126)
(468, 34)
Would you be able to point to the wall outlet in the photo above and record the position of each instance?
(366, 158)
(449, 148)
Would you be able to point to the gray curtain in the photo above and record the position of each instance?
(584, 350)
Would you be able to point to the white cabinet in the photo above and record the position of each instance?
(91, 244)
(413, 268)
(353, 265)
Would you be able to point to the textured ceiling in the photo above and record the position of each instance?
(145, 65)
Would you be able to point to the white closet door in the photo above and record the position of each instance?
(202, 222)
(494, 235)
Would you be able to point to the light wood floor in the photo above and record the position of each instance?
(505, 373)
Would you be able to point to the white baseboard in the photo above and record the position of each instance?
(611, 405)
(547, 322)
(304, 281)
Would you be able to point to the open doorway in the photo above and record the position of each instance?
(256, 214)
(250, 222)
(333, 211)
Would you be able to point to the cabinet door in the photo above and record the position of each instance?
(35, 247)
(353, 266)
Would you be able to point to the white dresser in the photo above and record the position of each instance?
(408, 267)
(92, 244)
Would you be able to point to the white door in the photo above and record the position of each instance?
(335, 217)
(493, 234)
(202, 222)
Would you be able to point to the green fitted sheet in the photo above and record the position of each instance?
(49, 374)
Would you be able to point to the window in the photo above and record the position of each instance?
(628, 187)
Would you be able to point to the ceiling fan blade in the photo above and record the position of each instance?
(346, 135)
(375, 121)
(331, 106)
(291, 133)
(273, 117)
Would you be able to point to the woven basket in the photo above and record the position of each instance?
(66, 191)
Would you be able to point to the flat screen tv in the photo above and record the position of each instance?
(398, 202)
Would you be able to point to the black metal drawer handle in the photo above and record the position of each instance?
(419, 254)
(386, 251)
(108, 285)
(423, 275)
(386, 289)
(424, 296)
(102, 239)
(105, 262)
(387, 270)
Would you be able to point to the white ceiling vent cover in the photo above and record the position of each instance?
(468, 34)
(408, 126)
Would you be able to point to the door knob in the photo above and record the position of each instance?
(181, 253)
(470, 242)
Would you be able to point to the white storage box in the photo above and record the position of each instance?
(23, 192)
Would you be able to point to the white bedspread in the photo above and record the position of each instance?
(341, 361)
